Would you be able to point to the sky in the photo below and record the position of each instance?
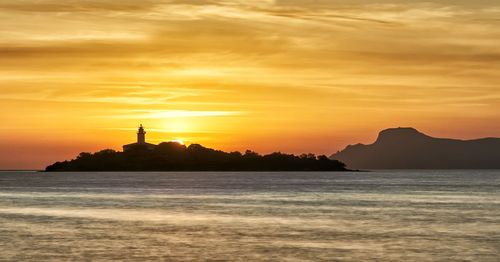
(294, 76)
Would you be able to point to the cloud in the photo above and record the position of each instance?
(165, 114)
(118, 95)
(78, 6)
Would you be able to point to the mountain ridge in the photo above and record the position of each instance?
(408, 148)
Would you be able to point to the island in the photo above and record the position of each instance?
(174, 156)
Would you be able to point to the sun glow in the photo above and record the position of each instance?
(179, 141)
(291, 75)
(178, 126)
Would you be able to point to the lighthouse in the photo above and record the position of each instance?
(141, 143)
(141, 135)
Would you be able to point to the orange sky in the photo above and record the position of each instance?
(284, 75)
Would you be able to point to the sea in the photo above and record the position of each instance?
(251, 216)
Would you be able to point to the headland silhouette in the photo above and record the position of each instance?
(407, 148)
(173, 156)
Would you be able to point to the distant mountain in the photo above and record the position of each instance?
(407, 148)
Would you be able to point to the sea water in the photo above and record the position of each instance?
(282, 216)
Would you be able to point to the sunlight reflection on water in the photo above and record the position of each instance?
(403, 215)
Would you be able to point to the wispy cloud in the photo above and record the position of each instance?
(124, 95)
(165, 114)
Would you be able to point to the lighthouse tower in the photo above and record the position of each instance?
(141, 142)
(141, 135)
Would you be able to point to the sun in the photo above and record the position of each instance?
(179, 141)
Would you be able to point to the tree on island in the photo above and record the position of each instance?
(172, 156)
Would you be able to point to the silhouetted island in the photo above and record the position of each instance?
(407, 148)
(173, 156)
